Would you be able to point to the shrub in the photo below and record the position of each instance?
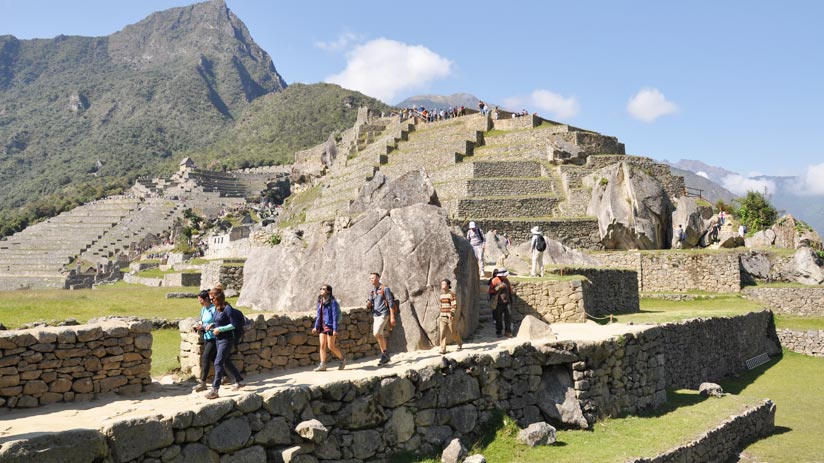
(275, 239)
(756, 212)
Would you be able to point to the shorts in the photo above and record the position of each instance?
(379, 324)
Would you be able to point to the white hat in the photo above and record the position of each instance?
(535, 230)
(471, 224)
(502, 272)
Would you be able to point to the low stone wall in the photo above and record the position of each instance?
(809, 342)
(790, 301)
(230, 275)
(553, 301)
(284, 341)
(579, 234)
(420, 410)
(134, 279)
(679, 271)
(598, 292)
(725, 440)
(612, 291)
(183, 279)
(45, 365)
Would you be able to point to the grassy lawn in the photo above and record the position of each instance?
(165, 348)
(799, 323)
(661, 311)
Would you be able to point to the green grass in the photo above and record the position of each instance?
(165, 348)
(799, 323)
(548, 277)
(661, 311)
(157, 273)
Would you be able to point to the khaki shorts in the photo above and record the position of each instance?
(379, 324)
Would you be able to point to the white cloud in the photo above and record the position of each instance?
(701, 173)
(650, 104)
(341, 43)
(740, 185)
(383, 68)
(545, 101)
(812, 181)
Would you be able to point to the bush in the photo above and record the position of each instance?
(275, 239)
(756, 213)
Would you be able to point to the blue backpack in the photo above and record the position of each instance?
(240, 322)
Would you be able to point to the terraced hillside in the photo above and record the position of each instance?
(508, 174)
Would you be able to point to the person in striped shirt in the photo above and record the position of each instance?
(446, 319)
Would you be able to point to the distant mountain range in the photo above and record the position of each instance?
(782, 192)
(440, 101)
(82, 117)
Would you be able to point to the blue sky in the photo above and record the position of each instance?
(738, 85)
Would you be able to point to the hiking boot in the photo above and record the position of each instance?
(212, 394)
(321, 367)
(509, 334)
(201, 386)
(240, 385)
(342, 364)
(384, 358)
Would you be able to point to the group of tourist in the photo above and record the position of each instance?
(432, 115)
(218, 326)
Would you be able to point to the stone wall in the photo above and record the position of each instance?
(372, 418)
(680, 271)
(598, 292)
(612, 291)
(284, 341)
(514, 123)
(229, 274)
(790, 301)
(578, 234)
(45, 365)
(553, 301)
(725, 440)
(809, 342)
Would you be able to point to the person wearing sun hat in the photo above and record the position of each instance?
(502, 289)
(476, 238)
(537, 246)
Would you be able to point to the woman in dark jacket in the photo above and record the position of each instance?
(326, 324)
(224, 333)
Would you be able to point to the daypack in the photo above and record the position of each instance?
(396, 304)
(241, 324)
(540, 243)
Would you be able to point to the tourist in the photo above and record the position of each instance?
(537, 245)
(476, 238)
(326, 324)
(680, 236)
(447, 317)
(742, 230)
(224, 331)
(205, 325)
(382, 302)
(501, 312)
(721, 216)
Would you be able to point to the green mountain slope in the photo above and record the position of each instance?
(277, 125)
(170, 83)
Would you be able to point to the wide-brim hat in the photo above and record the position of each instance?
(535, 230)
(502, 272)
(471, 224)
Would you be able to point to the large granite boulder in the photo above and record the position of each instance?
(694, 218)
(806, 266)
(755, 265)
(557, 400)
(411, 247)
(633, 209)
(791, 233)
(410, 188)
(497, 249)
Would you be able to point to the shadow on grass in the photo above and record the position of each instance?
(739, 458)
(737, 384)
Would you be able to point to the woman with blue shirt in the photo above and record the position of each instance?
(205, 325)
(326, 323)
(224, 332)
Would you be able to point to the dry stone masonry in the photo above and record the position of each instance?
(810, 342)
(44, 365)
(278, 342)
(679, 271)
(807, 301)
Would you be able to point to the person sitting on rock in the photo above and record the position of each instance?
(382, 302)
(447, 317)
(326, 323)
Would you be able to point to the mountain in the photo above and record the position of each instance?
(84, 116)
(277, 125)
(440, 101)
(783, 192)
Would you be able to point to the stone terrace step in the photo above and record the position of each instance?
(579, 232)
(511, 186)
(477, 208)
(498, 169)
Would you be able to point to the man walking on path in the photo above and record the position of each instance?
(381, 301)
(476, 238)
(538, 246)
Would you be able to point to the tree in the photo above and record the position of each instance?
(755, 211)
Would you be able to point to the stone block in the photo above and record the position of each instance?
(35, 387)
(130, 438)
(74, 446)
(228, 436)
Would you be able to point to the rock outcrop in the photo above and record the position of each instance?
(806, 266)
(403, 237)
(633, 209)
(695, 219)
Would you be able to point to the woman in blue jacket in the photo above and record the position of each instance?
(326, 323)
(224, 332)
(205, 325)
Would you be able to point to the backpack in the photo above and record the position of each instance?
(540, 243)
(241, 324)
(396, 304)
